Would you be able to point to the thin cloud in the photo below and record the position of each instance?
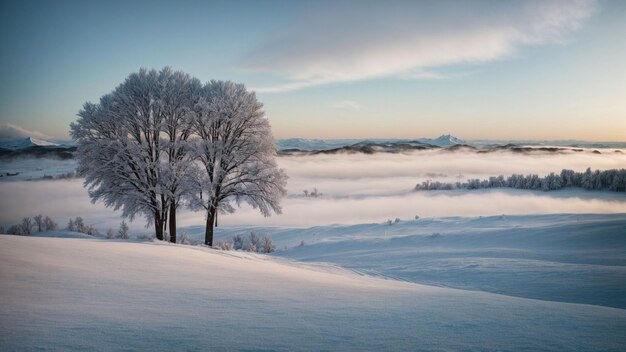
(348, 104)
(350, 41)
(8, 131)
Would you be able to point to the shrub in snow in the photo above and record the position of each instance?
(252, 247)
(389, 222)
(16, 230)
(2, 229)
(145, 238)
(254, 241)
(302, 243)
(417, 217)
(268, 245)
(90, 230)
(184, 238)
(78, 225)
(312, 194)
(224, 245)
(110, 234)
(238, 242)
(397, 220)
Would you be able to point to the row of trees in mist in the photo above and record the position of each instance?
(38, 223)
(612, 180)
(162, 140)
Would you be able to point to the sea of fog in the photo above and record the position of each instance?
(358, 188)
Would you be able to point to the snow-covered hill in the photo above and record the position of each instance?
(81, 294)
(26, 143)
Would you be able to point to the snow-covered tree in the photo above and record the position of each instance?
(39, 222)
(237, 154)
(79, 224)
(179, 93)
(129, 144)
(238, 242)
(268, 244)
(49, 224)
(27, 225)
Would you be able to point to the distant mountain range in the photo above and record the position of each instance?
(326, 144)
(446, 141)
(39, 148)
(35, 148)
(26, 143)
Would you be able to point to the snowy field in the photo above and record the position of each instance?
(83, 294)
(496, 269)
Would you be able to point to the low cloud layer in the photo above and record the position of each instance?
(349, 41)
(358, 188)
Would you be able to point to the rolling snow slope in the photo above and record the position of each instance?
(79, 294)
(577, 258)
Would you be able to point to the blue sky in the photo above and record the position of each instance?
(335, 69)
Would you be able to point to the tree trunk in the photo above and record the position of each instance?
(173, 222)
(208, 232)
(158, 226)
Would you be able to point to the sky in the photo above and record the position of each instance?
(334, 69)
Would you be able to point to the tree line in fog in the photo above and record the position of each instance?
(611, 180)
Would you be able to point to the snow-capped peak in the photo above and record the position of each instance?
(447, 140)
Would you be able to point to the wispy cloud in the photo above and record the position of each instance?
(348, 104)
(350, 41)
(8, 131)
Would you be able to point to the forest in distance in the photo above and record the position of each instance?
(598, 180)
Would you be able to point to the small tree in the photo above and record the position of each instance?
(110, 234)
(27, 225)
(39, 222)
(268, 245)
(79, 225)
(71, 226)
(49, 224)
(122, 233)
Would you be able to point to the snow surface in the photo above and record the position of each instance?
(579, 258)
(79, 294)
